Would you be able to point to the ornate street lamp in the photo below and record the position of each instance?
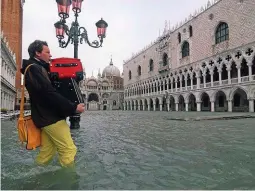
(76, 34)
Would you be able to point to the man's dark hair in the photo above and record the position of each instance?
(36, 46)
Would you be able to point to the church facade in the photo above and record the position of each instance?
(104, 92)
(205, 63)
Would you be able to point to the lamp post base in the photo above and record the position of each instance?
(75, 121)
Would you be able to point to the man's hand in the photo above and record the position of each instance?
(80, 108)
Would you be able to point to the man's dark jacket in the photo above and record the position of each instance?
(47, 105)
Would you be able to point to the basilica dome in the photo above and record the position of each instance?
(111, 70)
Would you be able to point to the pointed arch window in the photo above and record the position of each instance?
(222, 33)
(165, 59)
(151, 65)
(179, 37)
(190, 31)
(139, 70)
(185, 49)
(129, 75)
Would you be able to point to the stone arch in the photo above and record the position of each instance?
(234, 89)
(145, 104)
(240, 101)
(141, 104)
(181, 103)
(191, 100)
(92, 83)
(220, 101)
(150, 104)
(157, 103)
(199, 95)
(164, 104)
(205, 101)
(213, 95)
(93, 97)
(172, 103)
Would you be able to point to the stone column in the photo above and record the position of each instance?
(212, 106)
(211, 73)
(143, 105)
(251, 105)
(149, 107)
(175, 85)
(239, 73)
(186, 106)
(124, 106)
(250, 71)
(176, 106)
(168, 106)
(198, 80)
(186, 86)
(138, 106)
(229, 105)
(191, 83)
(204, 80)
(229, 75)
(198, 106)
(160, 106)
(172, 86)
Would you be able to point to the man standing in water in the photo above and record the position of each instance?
(49, 109)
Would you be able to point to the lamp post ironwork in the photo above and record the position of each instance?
(76, 35)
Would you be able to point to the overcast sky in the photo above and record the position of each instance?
(132, 24)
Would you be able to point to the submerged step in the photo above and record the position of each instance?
(228, 117)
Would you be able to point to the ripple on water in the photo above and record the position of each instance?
(141, 150)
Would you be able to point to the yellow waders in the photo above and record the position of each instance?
(57, 137)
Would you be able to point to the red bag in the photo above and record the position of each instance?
(61, 68)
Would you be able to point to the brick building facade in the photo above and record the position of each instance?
(203, 63)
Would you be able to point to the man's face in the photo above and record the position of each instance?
(45, 54)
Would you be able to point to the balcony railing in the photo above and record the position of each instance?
(244, 79)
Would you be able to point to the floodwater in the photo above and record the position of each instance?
(140, 150)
